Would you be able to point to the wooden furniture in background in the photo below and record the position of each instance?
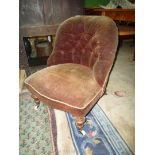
(41, 18)
(118, 14)
(31, 31)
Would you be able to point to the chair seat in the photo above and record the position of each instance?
(70, 85)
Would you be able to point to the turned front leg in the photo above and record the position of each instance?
(36, 100)
(80, 120)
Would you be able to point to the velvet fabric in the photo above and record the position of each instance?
(79, 66)
(66, 84)
(87, 40)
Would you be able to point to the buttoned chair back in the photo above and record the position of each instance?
(79, 40)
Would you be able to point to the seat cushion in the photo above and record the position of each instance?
(68, 84)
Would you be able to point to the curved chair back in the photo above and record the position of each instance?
(87, 40)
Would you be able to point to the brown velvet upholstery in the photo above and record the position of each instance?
(79, 65)
(87, 40)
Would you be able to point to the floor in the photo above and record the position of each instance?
(121, 110)
(34, 128)
(119, 103)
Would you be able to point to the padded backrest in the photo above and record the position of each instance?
(86, 40)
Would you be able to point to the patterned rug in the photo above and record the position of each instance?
(100, 137)
(34, 128)
(38, 132)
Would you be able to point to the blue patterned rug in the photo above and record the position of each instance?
(100, 138)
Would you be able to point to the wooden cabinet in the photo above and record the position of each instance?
(118, 14)
(115, 14)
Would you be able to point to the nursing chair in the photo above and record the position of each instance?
(78, 67)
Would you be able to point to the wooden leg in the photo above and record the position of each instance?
(36, 100)
(80, 122)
